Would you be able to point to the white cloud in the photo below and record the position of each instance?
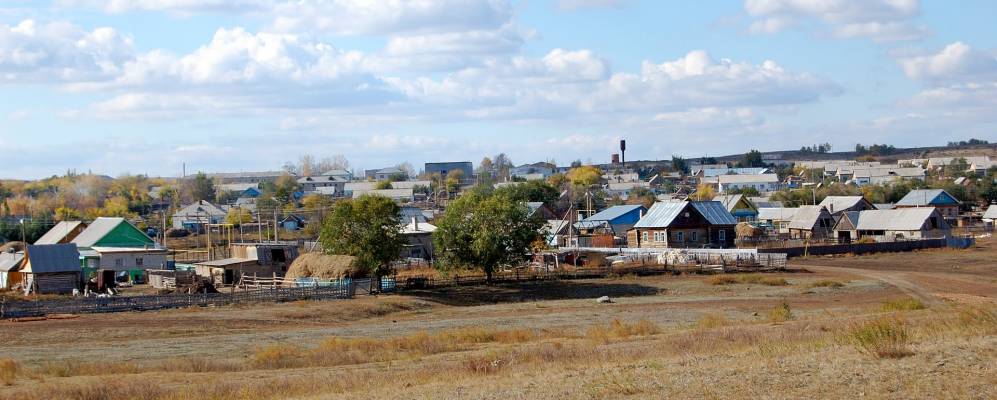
(18, 115)
(364, 17)
(60, 51)
(573, 5)
(182, 7)
(880, 20)
(957, 61)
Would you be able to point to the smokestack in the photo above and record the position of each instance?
(623, 153)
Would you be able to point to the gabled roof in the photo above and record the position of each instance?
(200, 208)
(884, 206)
(555, 226)
(731, 201)
(10, 261)
(926, 197)
(776, 213)
(662, 214)
(840, 203)
(991, 212)
(336, 172)
(49, 258)
(901, 219)
(849, 217)
(806, 217)
(238, 187)
(613, 212)
(58, 232)
(103, 226)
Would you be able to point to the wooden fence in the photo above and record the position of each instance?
(862, 248)
(16, 309)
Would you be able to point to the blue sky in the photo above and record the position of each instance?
(144, 86)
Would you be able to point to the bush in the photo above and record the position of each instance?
(908, 304)
(882, 338)
(781, 312)
(8, 371)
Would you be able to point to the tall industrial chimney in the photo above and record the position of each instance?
(623, 153)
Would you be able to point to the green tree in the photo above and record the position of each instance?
(535, 191)
(680, 165)
(366, 228)
(201, 188)
(752, 159)
(238, 216)
(484, 230)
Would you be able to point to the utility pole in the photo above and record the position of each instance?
(207, 232)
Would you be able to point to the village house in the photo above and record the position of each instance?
(811, 222)
(614, 221)
(777, 217)
(196, 216)
(241, 189)
(330, 184)
(730, 183)
(946, 204)
(535, 171)
(418, 237)
(385, 174)
(685, 224)
(739, 206)
(10, 268)
(51, 269)
(259, 259)
(115, 244)
(836, 205)
(891, 225)
(62, 232)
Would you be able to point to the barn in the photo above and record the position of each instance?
(51, 268)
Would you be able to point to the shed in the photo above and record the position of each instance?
(51, 268)
(10, 269)
(418, 239)
(811, 222)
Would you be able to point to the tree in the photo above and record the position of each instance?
(534, 191)
(484, 230)
(752, 159)
(585, 175)
(502, 166)
(238, 216)
(366, 228)
(704, 192)
(383, 185)
(200, 188)
(680, 164)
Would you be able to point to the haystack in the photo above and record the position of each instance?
(745, 229)
(324, 267)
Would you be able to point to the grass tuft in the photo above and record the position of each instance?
(908, 304)
(781, 312)
(882, 338)
(710, 321)
(8, 371)
(826, 283)
(620, 330)
(757, 279)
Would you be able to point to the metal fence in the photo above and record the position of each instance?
(16, 309)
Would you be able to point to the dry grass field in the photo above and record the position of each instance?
(908, 325)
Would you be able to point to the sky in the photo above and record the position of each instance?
(150, 86)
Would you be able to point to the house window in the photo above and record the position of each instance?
(695, 237)
(679, 237)
(643, 236)
(119, 262)
(139, 261)
(722, 236)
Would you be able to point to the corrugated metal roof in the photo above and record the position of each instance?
(884, 206)
(776, 214)
(729, 201)
(47, 258)
(991, 212)
(58, 232)
(901, 219)
(923, 197)
(661, 214)
(97, 230)
(806, 217)
(840, 203)
(10, 261)
(613, 212)
(715, 212)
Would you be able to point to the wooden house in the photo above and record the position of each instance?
(684, 224)
(811, 222)
(946, 203)
(51, 268)
(891, 225)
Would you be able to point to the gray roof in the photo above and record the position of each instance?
(884, 206)
(730, 200)
(776, 213)
(48, 258)
(662, 214)
(991, 212)
(840, 203)
(806, 217)
(901, 219)
(58, 232)
(922, 197)
(613, 212)
(10, 261)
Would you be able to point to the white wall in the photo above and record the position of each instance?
(130, 261)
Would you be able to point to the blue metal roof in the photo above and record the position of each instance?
(613, 212)
(926, 197)
(715, 212)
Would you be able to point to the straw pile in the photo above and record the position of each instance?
(745, 229)
(323, 266)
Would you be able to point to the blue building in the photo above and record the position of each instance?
(445, 168)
